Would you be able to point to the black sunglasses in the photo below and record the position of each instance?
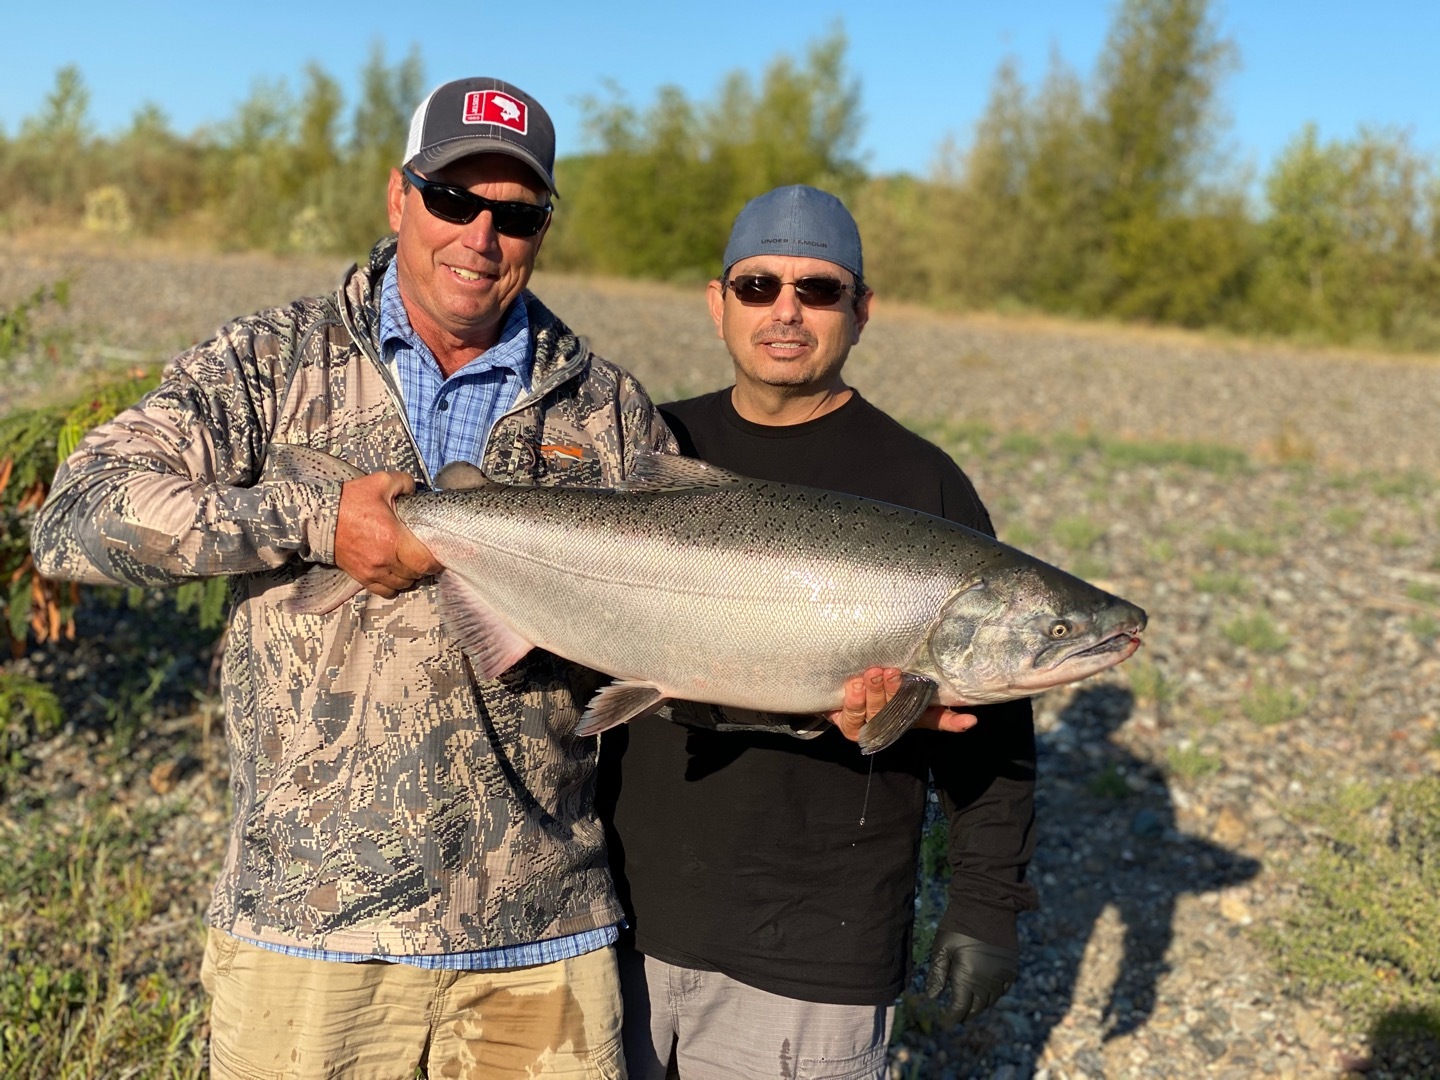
(765, 288)
(460, 207)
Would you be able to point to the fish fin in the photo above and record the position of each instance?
(287, 461)
(671, 472)
(896, 718)
(320, 590)
(462, 476)
(489, 642)
(617, 703)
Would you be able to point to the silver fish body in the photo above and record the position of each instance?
(693, 583)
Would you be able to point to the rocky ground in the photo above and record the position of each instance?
(1292, 593)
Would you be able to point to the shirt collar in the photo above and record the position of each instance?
(511, 350)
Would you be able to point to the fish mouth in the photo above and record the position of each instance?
(1126, 641)
(1107, 652)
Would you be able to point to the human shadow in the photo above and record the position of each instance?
(1108, 837)
(1403, 1043)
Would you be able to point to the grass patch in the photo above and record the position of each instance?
(1242, 542)
(1424, 627)
(1077, 533)
(1189, 763)
(1087, 567)
(1212, 457)
(1161, 550)
(1411, 484)
(1345, 518)
(1424, 592)
(955, 435)
(1022, 444)
(1108, 784)
(29, 711)
(1021, 536)
(1220, 583)
(80, 994)
(1393, 539)
(1366, 926)
(1257, 633)
(1148, 682)
(1272, 705)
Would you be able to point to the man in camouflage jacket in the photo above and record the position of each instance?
(386, 804)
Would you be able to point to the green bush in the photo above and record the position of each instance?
(88, 1001)
(1366, 925)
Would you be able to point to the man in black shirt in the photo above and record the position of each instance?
(769, 880)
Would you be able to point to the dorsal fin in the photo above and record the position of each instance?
(671, 472)
(462, 476)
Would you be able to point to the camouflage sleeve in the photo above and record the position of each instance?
(644, 427)
(168, 491)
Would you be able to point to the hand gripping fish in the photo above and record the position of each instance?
(687, 582)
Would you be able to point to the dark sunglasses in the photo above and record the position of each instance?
(460, 207)
(810, 291)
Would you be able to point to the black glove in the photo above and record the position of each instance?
(976, 973)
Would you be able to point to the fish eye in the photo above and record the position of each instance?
(1059, 629)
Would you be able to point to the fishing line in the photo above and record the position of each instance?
(868, 778)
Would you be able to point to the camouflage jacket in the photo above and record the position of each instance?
(384, 801)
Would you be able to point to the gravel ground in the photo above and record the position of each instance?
(1144, 960)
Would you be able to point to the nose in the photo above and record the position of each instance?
(787, 307)
(481, 235)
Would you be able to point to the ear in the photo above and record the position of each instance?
(395, 199)
(862, 315)
(715, 294)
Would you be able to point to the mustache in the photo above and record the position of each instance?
(777, 332)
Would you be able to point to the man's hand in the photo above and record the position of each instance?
(372, 545)
(977, 974)
(868, 693)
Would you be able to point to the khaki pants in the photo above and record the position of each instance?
(280, 1016)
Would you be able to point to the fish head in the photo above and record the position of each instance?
(1019, 630)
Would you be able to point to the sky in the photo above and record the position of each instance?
(925, 69)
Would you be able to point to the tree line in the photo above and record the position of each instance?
(1102, 198)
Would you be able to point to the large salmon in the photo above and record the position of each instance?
(690, 582)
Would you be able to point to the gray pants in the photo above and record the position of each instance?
(701, 1025)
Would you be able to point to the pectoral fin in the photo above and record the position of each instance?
(617, 703)
(319, 591)
(896, 718)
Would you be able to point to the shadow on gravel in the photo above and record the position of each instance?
(1108, 838)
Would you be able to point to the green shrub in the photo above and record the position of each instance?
(1256, 632)
(28, 711)
(1366, 925)
(1190, 763)
(1212, 457)
(80, 995)
(1270, 705)
(1221, 584)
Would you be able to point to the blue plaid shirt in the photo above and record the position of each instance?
(451, 419)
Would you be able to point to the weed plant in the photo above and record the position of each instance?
(1269, 706)
(1366, 925)
(89, 1000)
(1189, 763)
(1256, 632)
(1222, 583)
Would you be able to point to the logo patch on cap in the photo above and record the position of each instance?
(495, 107)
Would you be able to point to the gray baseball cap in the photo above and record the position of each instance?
(481, 116)
(796, 220)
